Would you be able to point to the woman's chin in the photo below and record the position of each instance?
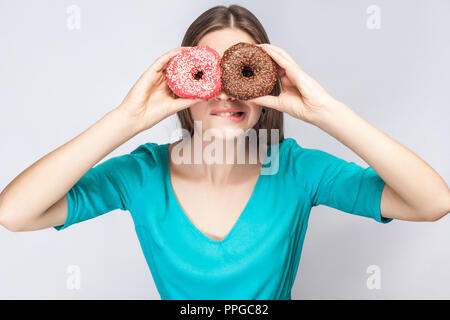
(224, 133)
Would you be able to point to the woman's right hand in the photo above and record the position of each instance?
(150, 100)
(45, 185)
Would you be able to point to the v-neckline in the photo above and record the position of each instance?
(180, 209)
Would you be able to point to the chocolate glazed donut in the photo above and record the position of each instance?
(247, 71)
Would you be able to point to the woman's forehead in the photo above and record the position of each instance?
(221, 40)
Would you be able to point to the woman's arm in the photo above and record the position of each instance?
(36, 198)
(413, 190)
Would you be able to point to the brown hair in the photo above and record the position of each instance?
(234, 16)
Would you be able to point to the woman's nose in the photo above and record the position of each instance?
(222, 96)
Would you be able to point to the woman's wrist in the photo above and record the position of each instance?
(328, 114)
(342, 123)
(128, 124)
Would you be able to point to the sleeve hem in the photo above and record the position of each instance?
(379, 191)
(68, 221)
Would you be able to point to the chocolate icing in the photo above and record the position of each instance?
(247, 71)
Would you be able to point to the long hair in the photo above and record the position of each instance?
(234, 16)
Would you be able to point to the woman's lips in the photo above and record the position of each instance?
(231, 116)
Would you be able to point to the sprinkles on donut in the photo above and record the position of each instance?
(195, 73)
(247, 71)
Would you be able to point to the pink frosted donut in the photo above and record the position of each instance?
(195, 73)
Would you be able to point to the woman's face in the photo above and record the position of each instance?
(202, 111)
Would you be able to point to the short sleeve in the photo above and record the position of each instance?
(337, 183)
(107, 186)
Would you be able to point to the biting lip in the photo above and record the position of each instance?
(220, 110)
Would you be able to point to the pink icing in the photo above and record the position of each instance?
(182, 67)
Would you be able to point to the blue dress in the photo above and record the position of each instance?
(259, 257)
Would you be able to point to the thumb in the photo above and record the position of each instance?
(183, 103)
(266, 101)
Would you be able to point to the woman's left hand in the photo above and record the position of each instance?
(302, 97)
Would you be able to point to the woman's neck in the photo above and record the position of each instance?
(217, 161)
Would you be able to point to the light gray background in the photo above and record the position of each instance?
(56, 82)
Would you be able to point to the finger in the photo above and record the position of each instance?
(281, 72)
(161, 62)
(279, 59)
(271, 48)
(143, 86)
(183, 103)
(286, 83)
(284, 79)
(287, 66)
(266, 101)
(150, 76)
(294, 71)
(281, 51)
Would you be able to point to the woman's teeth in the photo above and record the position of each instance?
(228, 114)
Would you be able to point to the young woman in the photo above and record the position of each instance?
(221, 230)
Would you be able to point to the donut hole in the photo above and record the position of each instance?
(247, 71)
(197, 74)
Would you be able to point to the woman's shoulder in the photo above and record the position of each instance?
(303, 161)
(293, 149)
(289, 148)
(151, 153)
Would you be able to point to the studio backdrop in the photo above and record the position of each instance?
(64, 64)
